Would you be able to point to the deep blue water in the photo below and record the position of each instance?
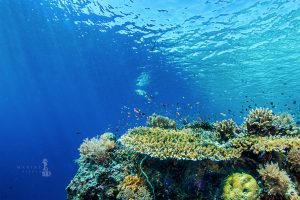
(71, 69)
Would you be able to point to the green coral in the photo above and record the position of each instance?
(240, 186)
(160, 122)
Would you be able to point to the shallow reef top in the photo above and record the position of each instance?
(262, 131)
(259, 159)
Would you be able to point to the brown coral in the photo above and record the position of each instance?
(160, 122)
(226, 129)
(294, 159)
(259, 121)
(277, 181)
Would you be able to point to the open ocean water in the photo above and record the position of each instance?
(72, 69)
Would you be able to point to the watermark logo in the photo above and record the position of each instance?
(36, 169)
(45, 172)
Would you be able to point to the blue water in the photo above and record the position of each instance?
(71, 69)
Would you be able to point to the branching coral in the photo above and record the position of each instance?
(132, 187)
(226, 129)
(294, 159)
(187, 145)
(259, 121)
(96, 148)
(161, 122)
(277, 181)
(240, 186)
(258, 144)
(285, 125)
(179, 144)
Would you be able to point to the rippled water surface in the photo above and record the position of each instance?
(224, 50)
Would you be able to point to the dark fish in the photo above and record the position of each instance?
(294, 102)
(271, 103)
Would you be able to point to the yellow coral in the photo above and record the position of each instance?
(131, 183)
(266, 144)
(240, 186)
(186, 145)
(179, 144)
(133, 188)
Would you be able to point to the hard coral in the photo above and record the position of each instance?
(277, 181)
(293, 158)
(178, 144)
(240, 186)
(226, 129)
(132, 187)
(285, 125)
(259, 121)
(258, 144)
(96, 149)
(160, 122)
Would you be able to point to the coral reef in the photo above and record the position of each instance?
(259, 121)
(258, 144)
(293, 158)
(132, 187)
(160, 122)
(276, 181)
(97, 148)
(198, 160)
(199, 125)
(180, 144)
(240, 186)
(226, 129)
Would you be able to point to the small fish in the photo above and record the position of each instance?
(136, 110)
(223, 114)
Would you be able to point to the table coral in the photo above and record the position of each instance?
(178, 144)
